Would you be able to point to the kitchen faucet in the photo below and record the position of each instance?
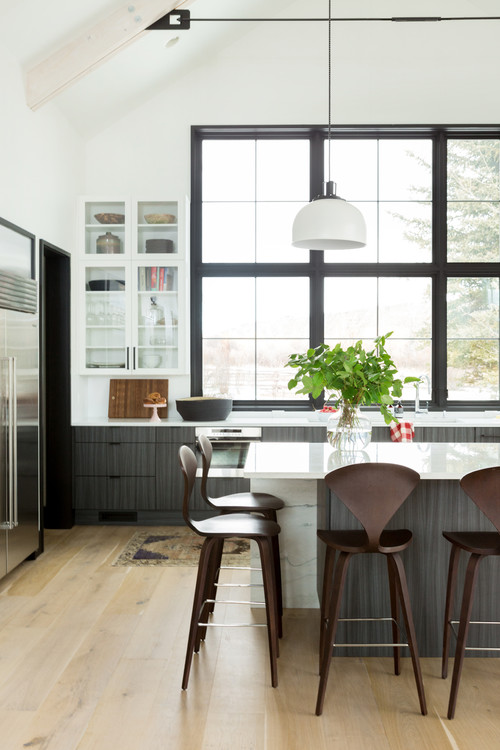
(421, 379)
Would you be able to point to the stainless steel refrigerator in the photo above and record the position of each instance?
(20, 535)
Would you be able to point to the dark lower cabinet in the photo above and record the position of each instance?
(114, 473)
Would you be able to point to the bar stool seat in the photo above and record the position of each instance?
(373, 493)
(475, 542)
(215, 531)
(391, 540)
(244, 502)
(247, 502)
(483, 487)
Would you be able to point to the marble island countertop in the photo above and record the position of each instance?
(278, 418)
(314, 460)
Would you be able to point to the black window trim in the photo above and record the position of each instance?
(439, 270)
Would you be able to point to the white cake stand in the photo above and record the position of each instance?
(155, 407)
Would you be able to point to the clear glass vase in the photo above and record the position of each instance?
(347, 429)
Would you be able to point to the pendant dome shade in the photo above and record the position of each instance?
(329, 223)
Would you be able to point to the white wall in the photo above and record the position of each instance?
(382, 73)
(41, 163)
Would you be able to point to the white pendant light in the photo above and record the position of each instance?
(329, 222)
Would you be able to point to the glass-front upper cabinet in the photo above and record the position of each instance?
(105, 313)
(132, 319)
(157, 228)
(158, 301)
(107, 226)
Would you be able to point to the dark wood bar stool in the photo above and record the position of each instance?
(244, 502)
(373, 493)
(215, 531)
(483, 487)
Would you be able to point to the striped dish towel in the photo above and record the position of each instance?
(402, 432)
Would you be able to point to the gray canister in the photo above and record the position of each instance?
(108, 243)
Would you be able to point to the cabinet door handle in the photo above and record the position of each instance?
(128, 357)
(133, 357)
(111, 443)
(114, 476)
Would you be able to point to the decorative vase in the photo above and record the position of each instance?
(108, 243)
(347, 429)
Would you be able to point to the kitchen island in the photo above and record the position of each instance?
(295, 472)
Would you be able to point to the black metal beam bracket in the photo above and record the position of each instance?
(174, 21)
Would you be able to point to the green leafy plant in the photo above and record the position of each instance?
(352, 376)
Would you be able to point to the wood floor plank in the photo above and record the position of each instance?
(92, 655)
(163, 622)
(63, 716)
(13, 724)
(120, 719)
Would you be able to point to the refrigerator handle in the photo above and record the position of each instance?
(12, 449)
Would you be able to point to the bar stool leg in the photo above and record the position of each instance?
(279, 592)
(199, 596)
(395, 617)
(210, 591)
(463, 628)
(448, 609)
(271, 515)
(325, 598)
(404, 597)
(333, 618)
(268, 576)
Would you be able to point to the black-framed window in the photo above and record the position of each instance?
(430, 271)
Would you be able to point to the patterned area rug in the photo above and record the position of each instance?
(176, 545)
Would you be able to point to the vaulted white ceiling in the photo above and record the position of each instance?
(62, 42)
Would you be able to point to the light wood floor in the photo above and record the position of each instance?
(91, 657)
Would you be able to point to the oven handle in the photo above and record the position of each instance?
(228, 441)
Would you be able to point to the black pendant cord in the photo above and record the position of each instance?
(329, 85)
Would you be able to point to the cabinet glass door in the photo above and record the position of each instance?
(105, 318)
(105, 224)
(157, 227)
(157, 317)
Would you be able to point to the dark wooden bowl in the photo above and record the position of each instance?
(204, 409)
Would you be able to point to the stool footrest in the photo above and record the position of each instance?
(232, 625)
(452, 624)
(228, 601)
(370, 645)
(239, 585)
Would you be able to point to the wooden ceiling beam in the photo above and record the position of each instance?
(91, 48)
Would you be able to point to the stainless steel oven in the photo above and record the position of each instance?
(230, 447)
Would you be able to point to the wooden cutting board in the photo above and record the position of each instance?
(126, 398)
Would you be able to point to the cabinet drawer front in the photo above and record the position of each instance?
(487, 434)
(445, 434)
(381, 434)
(108, 459)
(90, 459)
(131, 493)
(90, 492)
(114, 434)
(180, 435)
(122, 493)
(131, 459)
(294, 434)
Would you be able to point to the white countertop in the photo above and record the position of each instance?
(314, 460)
(304, 419)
